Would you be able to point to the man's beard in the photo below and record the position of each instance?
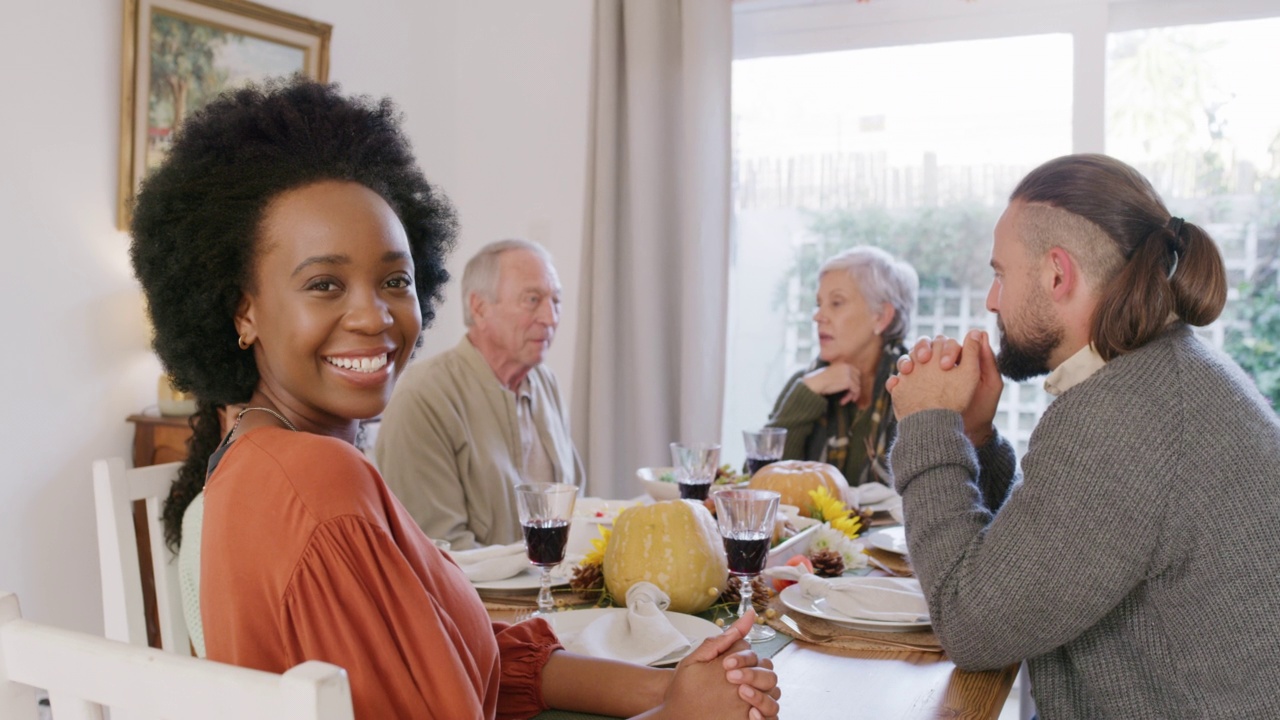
(1027, 357)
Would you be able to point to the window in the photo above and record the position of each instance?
(907, 124)
(1193, 108)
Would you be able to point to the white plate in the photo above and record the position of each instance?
(892, 539)
(885, 505)
(794, 598)
(530, 579)
(569, 623)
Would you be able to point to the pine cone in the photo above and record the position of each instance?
(588, 581)
(865, 516)
(761, 593)
(827, 563)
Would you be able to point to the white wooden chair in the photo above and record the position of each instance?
(85, 675)
(115, 489)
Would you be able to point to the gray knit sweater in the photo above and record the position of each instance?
(1135, 564)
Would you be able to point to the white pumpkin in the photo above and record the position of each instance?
(674, 545)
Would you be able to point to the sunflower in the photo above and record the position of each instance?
(598, 545)
(833, 511)
(850, 525)
(827, 507)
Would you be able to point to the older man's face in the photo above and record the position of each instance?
(522, 319)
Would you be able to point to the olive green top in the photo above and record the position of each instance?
(846, 436)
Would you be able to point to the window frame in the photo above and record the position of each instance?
(765, 28)
(774, 28)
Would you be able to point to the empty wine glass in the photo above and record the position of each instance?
(545, 512)
(763, 446)
(745, 518)
(695, 465)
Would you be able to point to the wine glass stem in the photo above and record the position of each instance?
(545, 603)
(744, 591)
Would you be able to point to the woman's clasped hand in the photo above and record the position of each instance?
(705, 688)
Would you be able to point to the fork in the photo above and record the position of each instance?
(805, 634)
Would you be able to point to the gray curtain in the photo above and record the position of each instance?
(650, 365)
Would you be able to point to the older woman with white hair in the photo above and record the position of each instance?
(837, 410)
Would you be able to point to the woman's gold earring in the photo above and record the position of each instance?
(244, 344)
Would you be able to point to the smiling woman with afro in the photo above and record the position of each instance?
(198, 217)
(291, 251)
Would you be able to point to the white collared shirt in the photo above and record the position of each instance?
(1074, 370)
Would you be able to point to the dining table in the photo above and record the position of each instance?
(822, 681)
(824, 670)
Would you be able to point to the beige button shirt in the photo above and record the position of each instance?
(535, 460)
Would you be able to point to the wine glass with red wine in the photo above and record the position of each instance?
(545, 511)
(763, 446)
(695, 465)
(745, 518)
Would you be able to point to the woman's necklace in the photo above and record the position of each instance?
(279, 417)
(848, 422)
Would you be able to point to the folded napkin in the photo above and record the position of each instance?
(792, 573)
(869, 598)
(641, 635)
(495, 562)
(871, 493)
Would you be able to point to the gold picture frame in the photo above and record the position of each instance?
(179, 54)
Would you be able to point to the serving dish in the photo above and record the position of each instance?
(655, 486)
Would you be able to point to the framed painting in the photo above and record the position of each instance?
(180, 54)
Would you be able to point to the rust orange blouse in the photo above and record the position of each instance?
(306, 555)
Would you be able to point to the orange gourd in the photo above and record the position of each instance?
(793, 479)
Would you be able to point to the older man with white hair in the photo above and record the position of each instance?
(465, 427)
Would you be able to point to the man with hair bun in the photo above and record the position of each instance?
(1133, 560)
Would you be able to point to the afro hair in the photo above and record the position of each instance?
(198, 216)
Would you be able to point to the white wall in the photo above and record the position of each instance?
(521, 103)
(495, 98)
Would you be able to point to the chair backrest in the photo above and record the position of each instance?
(115, 489)
(85, 675)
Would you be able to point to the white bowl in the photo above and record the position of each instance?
(796, 544)
(658, 489)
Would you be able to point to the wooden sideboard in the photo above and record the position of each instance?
(156, 439)
(159, 439)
